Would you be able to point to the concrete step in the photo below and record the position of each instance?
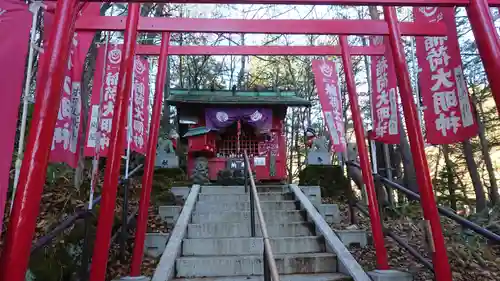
(244, 216)
(264, 196)
(253, 265)
(251, 246)
(155, 243)
(239, 189)
(205, 206)
(225, 230)
(291, 277)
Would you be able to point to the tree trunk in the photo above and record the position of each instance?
(474, 175)
(452, 187)
(165, 119)
(382, 191)
(485, 149)
(181, 58)
(241, 75)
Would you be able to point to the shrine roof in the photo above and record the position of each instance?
(287, 98)
(196, 131)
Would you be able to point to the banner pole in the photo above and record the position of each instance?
(97, 137)
(416, 70)
(376, 223)
(129, 127)
(35, 9)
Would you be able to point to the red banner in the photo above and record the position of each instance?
(15, 24)
(384, 101)
(447, 109)
(139, 98)
(326, 79)
(66, 141)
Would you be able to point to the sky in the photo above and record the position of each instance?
(298, 12)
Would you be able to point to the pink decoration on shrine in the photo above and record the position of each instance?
(384, 98)
(140, 102)
(448, 113)
(326, 78)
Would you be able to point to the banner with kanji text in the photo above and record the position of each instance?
(66, 140)
(67, 134)
(139, 101)
(448, 112)
(327, 83)
(383, 99)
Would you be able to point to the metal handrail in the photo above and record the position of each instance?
(445, 212)
(268, 253)
(80, 214)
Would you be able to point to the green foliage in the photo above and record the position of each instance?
(330, 178)
(489, 219)
(58, 172)
(163, 181)
(410, 209)
(62, 260)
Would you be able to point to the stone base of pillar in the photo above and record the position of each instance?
(136, 278)
(390, 275)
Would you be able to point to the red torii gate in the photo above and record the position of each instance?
(14, 260)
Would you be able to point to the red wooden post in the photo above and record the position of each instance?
(376, 224)
(441, 266)
(147, 178)
(116, 148)
(16, 254)
(487, 43)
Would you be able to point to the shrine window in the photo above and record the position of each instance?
(227, 144)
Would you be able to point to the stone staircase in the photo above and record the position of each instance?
(216, 244)
(219, 245)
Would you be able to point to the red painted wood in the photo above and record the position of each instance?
(112, 169)
(147, 178)
(154, 50)
(16, 254)
(340, 27)
(310, 2)
(487, 42)
(364, 160)
(429, 206)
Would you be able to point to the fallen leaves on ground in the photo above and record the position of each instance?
(477, 262)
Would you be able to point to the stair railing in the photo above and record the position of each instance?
(445, 212)
(270, 269)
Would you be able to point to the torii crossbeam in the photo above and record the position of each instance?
(317, 27)
(433, 3)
